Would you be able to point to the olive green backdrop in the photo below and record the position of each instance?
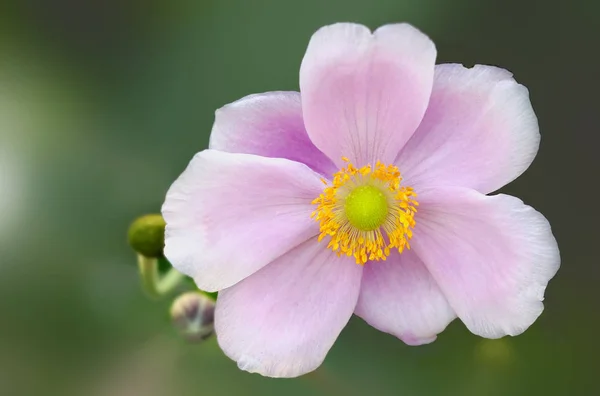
(103, 103)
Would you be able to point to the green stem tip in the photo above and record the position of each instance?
(155, 285)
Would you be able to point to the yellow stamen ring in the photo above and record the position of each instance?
(360, 205)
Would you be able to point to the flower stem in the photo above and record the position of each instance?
(155, 285)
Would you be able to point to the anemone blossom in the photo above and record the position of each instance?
(364, 193)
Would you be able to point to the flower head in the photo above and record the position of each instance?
(192, 314)
(146, 235)
(365, 193)
(366, 212)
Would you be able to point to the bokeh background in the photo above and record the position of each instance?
(103, 103)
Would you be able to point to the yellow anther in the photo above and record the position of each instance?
(366, 212)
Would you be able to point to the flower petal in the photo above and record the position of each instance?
(491, 256)
(269, 125)
(282, 320)
(399, 296)
(363, 94)
(228, 215)
(479, 131)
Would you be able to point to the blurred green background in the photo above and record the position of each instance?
(103, 103)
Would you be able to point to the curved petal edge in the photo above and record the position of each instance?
(492, 257)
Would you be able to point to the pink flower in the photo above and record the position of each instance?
(384, 159)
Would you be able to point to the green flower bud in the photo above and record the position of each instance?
(147, 235)
(193, 315)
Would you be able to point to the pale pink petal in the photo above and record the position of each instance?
(399, 296)
(269, 125)
(228, 215)
(282, 320)
(491, 256)
(479, 131)
(363, 93)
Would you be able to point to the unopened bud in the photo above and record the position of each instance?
(193, 316)
(147, 235)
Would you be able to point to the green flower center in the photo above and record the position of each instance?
(366, 207)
